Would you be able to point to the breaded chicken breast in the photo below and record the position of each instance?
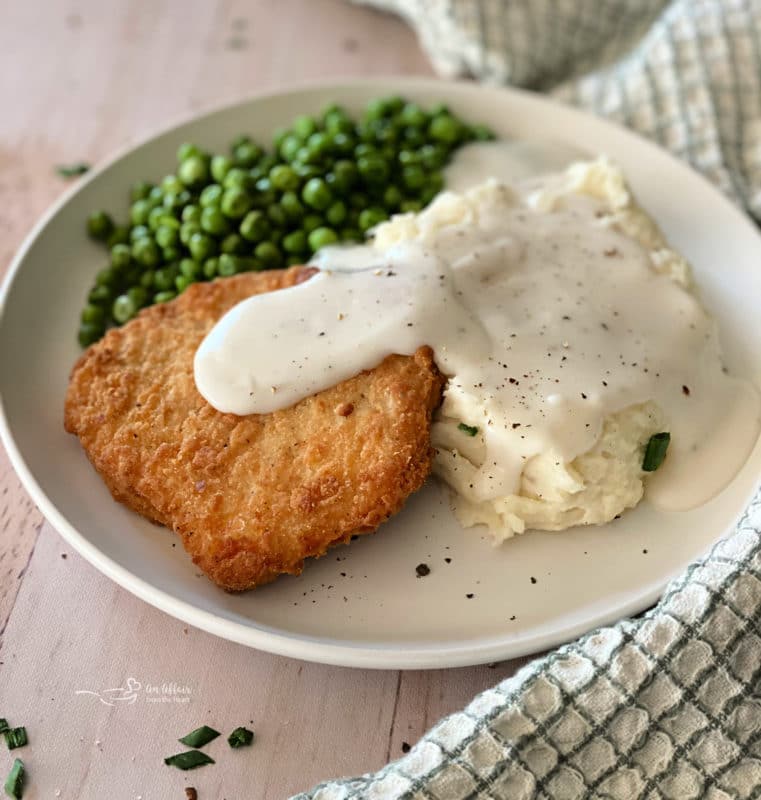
(251, 497)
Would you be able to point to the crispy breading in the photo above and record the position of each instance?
(253, 496)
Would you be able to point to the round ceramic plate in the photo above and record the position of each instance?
(362, 605)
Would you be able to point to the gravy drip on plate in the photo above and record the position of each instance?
(547, 322)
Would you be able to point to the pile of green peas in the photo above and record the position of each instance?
(327, 179)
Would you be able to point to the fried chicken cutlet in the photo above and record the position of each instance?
(252, 496)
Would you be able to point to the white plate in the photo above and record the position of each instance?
(363, 605)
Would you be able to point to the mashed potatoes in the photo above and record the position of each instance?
(553, 493)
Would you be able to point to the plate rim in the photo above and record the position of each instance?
(293, 645)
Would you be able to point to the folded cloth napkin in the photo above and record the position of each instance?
(668, 705)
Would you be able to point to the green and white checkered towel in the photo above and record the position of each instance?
(668, 705)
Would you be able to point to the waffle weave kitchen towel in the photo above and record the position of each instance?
(667, 705)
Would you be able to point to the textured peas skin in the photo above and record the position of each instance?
(328, 178)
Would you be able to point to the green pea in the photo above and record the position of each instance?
(164, 297)
(187, 229)
(346, 176)
(220, 166)
(123, 309)
(156, 194)
(304, 126)
(234, 244)
(210, 268)
(236, 203)
(294, 260)
(410, 206)
(100, 295)
(295, 242)
(139, 212)
(100, 225)
(190, 269)
(170, 254)
(337, 123)
(306, 171)
(392, 197)
(316, 194)
(311, 221)
(277, 216)
(371, 217)
(171, 183)
(174, 201)
(246, 154)
(289, 147)
(406, 157)
(213, 221)
(306, 155)
(264, 199)
(321, 237)
(211, 195)
(237, 178)
(119, 235)
(120, 256)
(181, 282)
(90, 332)
(350, 235)
(191, 213)
(107, 277)
(201, 247)
(254, 227)
(413, 177)
(291, 206)
(147, 279)
(146, 252)
(167, 236)
(139, 191)
(414, 137)
(319, 144)
(433, 156)
(343, 143)
(163, 279)
(413, 115)
(336, 213)
(155, 216)
(187, 150)
(283, 178)
(194, 170)
(138, 295)
(482, 133)
(365, 149)
(93, 314)
(268, 254)
(229, 265)
(444, 128)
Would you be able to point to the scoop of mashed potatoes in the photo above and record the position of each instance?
(553, 494)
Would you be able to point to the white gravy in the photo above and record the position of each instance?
(548, 321)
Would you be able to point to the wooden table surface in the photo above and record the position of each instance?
(78, 80)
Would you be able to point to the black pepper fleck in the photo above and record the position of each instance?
(422, 570)
(406, 747)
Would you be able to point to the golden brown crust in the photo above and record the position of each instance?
(253, 496)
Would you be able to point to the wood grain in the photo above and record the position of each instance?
(80, 80)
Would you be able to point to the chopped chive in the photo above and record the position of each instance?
(470, 430)
(190, 759)
(14, 783)
(15, 737)
(240, 737)
(4, 726)
(655, 451)
(199, 737)
(72, 170)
